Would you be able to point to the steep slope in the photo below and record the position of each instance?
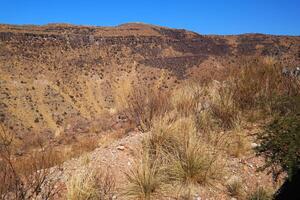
(55, 76)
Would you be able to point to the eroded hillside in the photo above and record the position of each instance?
(52, 76)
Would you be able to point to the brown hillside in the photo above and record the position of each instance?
(52, 76)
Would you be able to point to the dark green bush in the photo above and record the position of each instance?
(280, 144)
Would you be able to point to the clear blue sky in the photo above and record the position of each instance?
(202, 16)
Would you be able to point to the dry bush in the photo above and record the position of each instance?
(26, 178)
(223, 107)
(145, 178)
(98, 185)
(145, 104)
(186, 98)
(257, 84)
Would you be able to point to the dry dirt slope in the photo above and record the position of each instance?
(120, 157)
(52, 76)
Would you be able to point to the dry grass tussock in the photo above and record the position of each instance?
(174, 156)
(146, 178)
(187, 98)
(212, 105)
(98, 184)
(235, 188)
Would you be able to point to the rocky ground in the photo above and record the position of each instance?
(120, 155)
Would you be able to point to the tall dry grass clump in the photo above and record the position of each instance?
(144, 104)
(97, 184)
(258, 83)
(223, 107)
(212, 106)
(145, 178)
(174, 155)
(122, 90)
(194, 163)
(190, 160)
(186, 98)
(162, 135)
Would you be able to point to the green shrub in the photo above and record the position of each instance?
(280, 144)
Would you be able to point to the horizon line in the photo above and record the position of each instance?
(147, 24)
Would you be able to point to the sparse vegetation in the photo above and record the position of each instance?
(27, 177)
(205, 121)
(193, 126)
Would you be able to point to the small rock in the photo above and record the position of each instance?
(19, 153)
(121, 147)
(251, 166)
(197, 197)
(254, 145)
